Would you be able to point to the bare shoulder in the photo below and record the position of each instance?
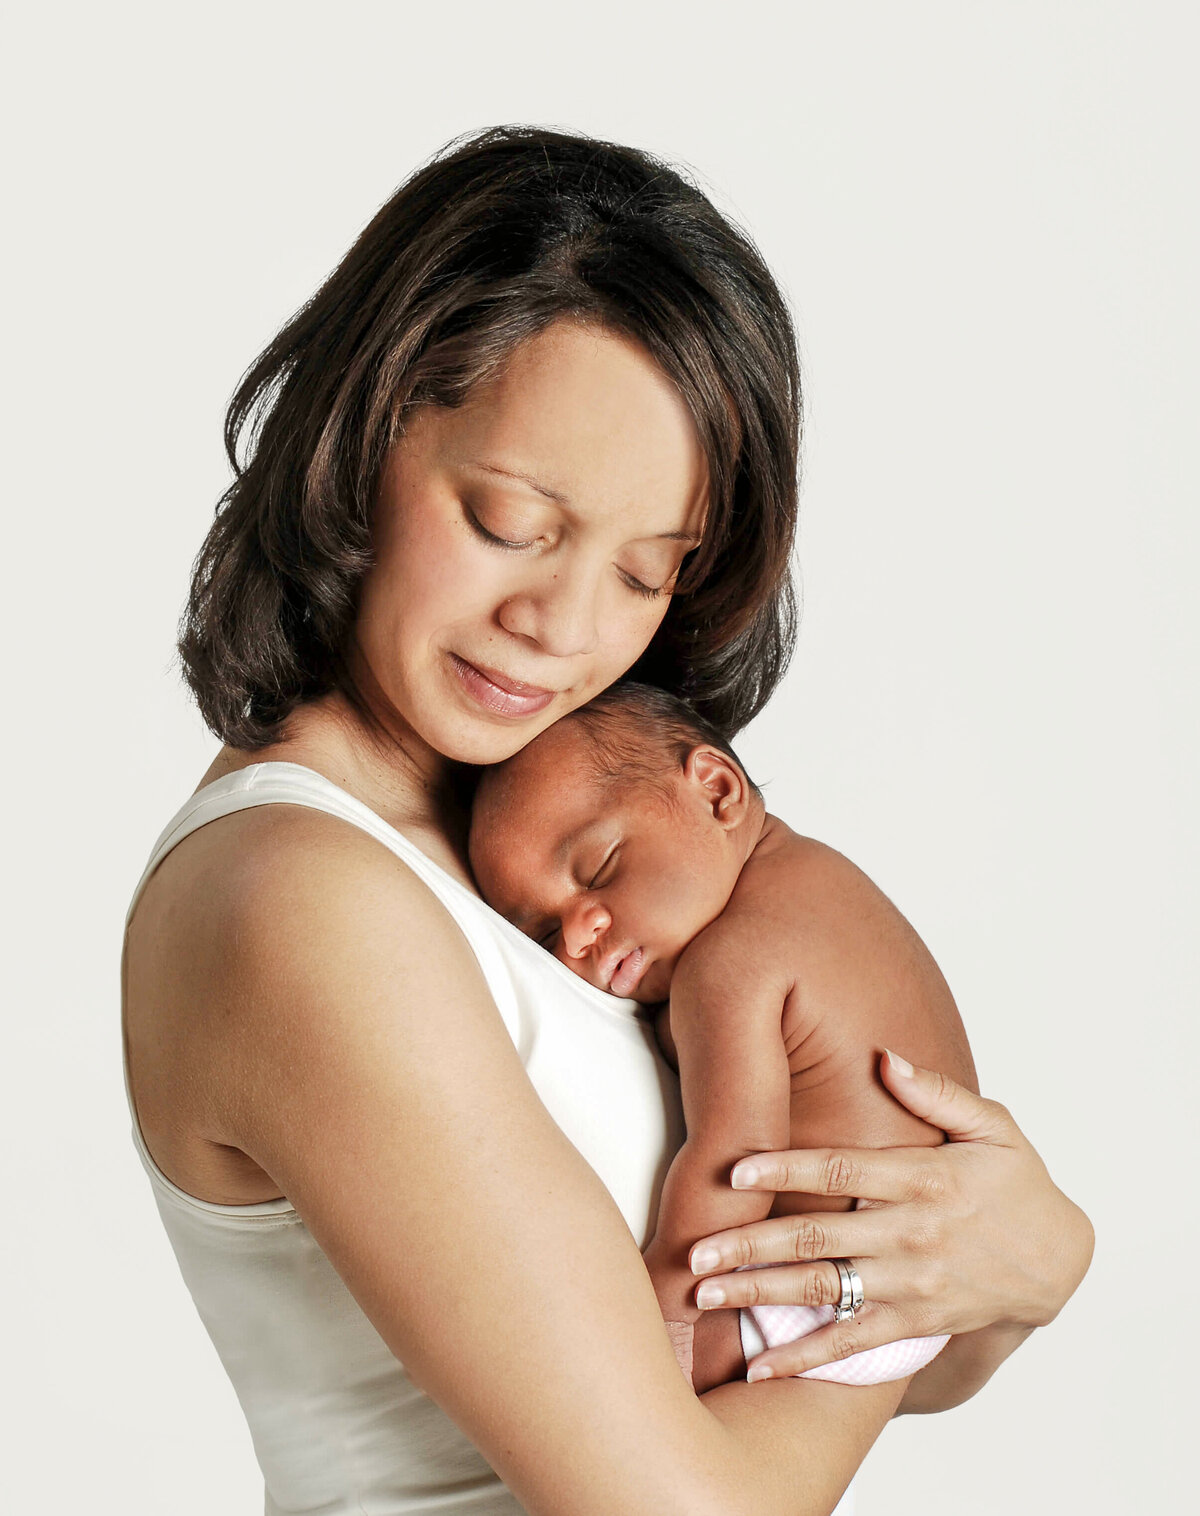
(860, 969)
(243, 905)
(802, 874)
(270, 933)
(815, 895)
(792, 892)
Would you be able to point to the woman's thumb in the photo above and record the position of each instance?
(935, 1098)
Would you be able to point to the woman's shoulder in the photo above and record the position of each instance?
(268, 861)
(255, 932)
(276, 883)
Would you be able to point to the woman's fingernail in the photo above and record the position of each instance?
(901, 1065)
(709, 1295)
(704, 1260)
(760, 1371)
(745, 1176)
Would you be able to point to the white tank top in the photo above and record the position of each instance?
(338, 1426)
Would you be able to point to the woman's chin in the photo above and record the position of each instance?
(482, 743)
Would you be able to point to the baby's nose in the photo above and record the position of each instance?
(582, 929)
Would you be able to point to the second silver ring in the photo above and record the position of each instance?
(852, 1290)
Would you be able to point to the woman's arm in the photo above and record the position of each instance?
(378, 1087)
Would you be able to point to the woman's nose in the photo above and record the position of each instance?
(559, 612)
(582, 927)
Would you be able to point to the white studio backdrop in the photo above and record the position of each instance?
(985, 217)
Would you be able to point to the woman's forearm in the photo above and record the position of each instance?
(804, 1440)
(960, 1370)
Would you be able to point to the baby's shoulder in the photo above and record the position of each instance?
(789, 877)
(752, 940)
(795, 897)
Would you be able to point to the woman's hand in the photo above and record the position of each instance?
(956, 1238)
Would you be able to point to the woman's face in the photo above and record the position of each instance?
(496, 603)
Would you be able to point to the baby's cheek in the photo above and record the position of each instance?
(481, 856)
(666, 1041)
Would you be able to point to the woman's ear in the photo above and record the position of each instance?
(721, 783)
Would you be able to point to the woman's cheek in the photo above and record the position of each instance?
(465, 576)
(633, 626)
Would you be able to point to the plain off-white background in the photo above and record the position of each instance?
(985, 217)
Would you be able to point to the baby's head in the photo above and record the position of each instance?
(616, 836)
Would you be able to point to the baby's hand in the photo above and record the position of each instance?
(682, 1334)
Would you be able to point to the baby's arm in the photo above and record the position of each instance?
(725, 1033)
(863, 981)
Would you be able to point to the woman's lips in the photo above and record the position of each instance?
(627, 973)
(499, 694)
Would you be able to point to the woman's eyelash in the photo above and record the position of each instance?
(647, 591)
(505, 542)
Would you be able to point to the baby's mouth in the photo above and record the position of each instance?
(627, 973)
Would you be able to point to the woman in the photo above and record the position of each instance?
(538, 428)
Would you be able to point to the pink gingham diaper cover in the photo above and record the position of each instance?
(894, 1360)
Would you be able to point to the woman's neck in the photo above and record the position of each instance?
(414, 790)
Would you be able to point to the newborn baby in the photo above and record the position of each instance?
(629, 841)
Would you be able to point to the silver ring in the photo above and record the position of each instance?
(852, 1291)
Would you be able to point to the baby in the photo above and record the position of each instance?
(629, 841)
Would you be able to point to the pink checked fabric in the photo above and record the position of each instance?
(894, 1360)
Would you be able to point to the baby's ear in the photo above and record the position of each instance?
(721, 782)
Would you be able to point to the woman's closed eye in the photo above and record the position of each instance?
(649, 591)
(523, 544)
(510, 544)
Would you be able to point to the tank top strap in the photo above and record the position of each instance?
(278, 783)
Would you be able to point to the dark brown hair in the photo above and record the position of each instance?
(498, 235)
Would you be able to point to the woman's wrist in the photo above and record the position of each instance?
(970, 1359)
(1069, 1255)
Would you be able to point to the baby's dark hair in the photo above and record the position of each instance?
(638, 734)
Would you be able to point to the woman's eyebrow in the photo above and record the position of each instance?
(565, 500)
(509, 473)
